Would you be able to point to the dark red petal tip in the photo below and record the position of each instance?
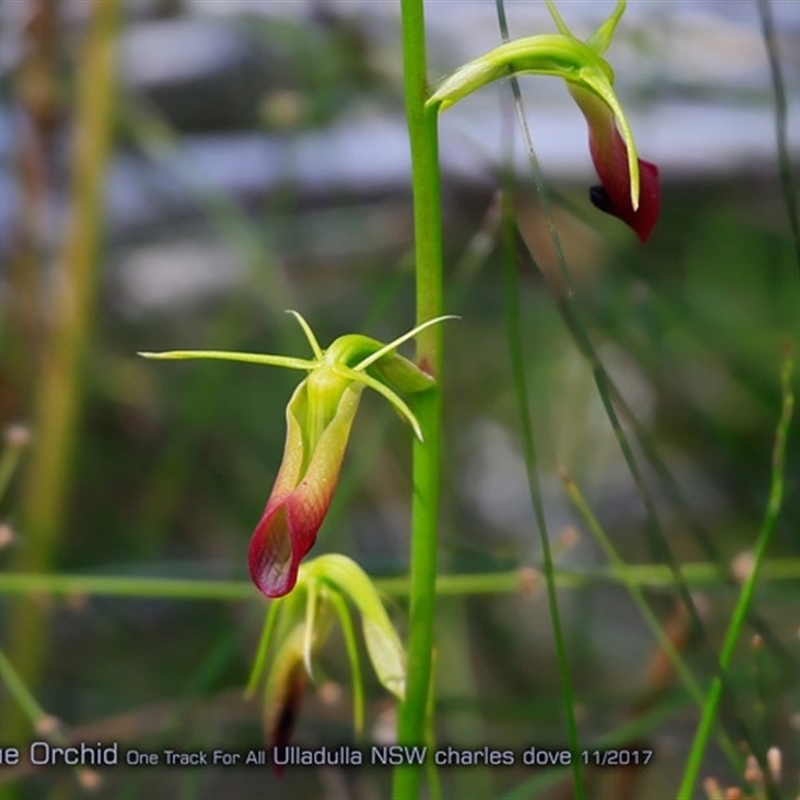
(273, 556)
(613, 197)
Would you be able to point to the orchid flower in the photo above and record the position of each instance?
(328, 587)
(629, 186)
(318, 421)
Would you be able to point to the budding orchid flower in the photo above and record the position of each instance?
(629, 186)
(319, 416)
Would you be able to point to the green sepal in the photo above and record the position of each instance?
(312, 621)
(601, 38)
(351, 349)
(383, 644)
(351, 646)
(288, 362)
(349, 358)
(546, 54)
(260, 661)
(401, 374)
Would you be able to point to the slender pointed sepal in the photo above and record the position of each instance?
(601, 38)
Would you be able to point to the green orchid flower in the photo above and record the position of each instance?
(328, 587)
(318, 421)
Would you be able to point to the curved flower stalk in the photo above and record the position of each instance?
(629, 186)
(327, 586)
(318, 421)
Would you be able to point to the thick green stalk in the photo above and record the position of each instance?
(427, 456)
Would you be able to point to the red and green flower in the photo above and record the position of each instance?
(629, 186)
(318, 421)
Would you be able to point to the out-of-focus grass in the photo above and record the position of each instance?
(59, 363)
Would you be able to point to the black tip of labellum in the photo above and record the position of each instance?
(600, 199)
(612, 197)
(282, 725)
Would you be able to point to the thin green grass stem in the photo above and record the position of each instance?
(781, 121)
(511, 285)
(739, 616)
(569, 306)
(635, 591)
(515, 345)
(630, 731)
(16, 687)
(674, 499)
(426, 189)
(653, 576)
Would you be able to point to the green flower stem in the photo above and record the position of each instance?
(739, 616)
(428, 405)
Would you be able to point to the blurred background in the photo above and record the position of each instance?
(177, 173)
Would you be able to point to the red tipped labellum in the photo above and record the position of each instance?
(610, 157)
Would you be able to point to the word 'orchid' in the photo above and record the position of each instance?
(318, 420)
(629, 186)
